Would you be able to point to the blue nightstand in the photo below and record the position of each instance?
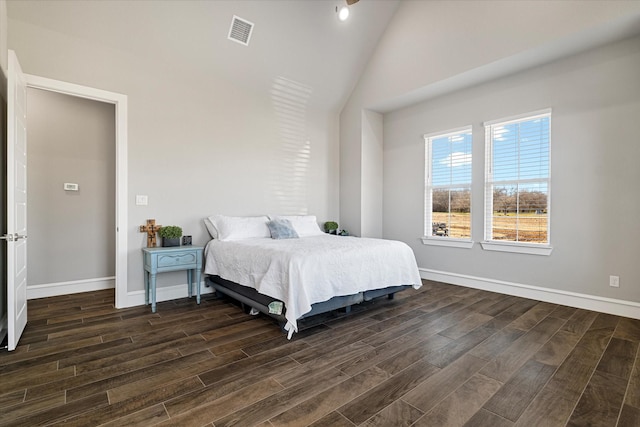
(161, 260)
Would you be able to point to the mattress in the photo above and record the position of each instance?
(301, 272)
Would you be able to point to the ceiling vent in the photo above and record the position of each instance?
(240, 30)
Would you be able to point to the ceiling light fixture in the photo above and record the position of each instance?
(343, 11)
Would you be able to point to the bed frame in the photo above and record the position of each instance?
(249, 297)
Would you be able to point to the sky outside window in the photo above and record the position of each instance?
(451, 159)
(521, 150)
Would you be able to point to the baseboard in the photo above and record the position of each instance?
(72, 287)
(572, 299)
(165, 293)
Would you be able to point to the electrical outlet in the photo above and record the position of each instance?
(614, 281)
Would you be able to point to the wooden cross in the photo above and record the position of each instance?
(151, 229)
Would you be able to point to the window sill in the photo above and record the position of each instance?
(447, 241)
(518, 248)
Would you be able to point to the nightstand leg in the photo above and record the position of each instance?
(146, 287)
(190, 283)
(198, 284)
(153, 293)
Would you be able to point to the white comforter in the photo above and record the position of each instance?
(304, 271)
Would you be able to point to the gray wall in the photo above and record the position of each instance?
(71, 233)
(595, 99)
(424, 52)
(198, 143)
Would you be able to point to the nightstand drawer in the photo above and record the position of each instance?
(170, 260)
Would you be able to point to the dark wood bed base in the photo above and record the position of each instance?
(249, 297)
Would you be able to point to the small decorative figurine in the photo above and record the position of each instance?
(151, 229)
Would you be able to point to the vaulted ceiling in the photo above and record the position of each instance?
(299, 40)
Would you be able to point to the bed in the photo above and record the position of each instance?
(286, 267)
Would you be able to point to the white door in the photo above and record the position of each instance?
(16, 236)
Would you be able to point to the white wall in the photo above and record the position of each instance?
(595, 97)
(372, 145)
(71, 233)
(198, 143)
(432, 47)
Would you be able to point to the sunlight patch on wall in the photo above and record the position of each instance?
(292, 159)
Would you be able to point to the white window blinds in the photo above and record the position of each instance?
(448, 184)
(517, 187)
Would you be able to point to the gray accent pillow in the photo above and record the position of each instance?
(282, 229)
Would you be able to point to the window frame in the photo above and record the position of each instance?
(427, 238)
(488, 243)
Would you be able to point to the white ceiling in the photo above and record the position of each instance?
(300, 40)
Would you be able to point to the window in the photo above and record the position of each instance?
(517, 186)
(448, 186)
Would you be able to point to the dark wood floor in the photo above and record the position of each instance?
(441, 356)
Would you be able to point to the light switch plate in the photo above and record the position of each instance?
(71, 186)
(142, 200)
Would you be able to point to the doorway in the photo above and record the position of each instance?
(71, 198)
(120, 105)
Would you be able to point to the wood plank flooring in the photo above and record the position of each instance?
(440, 356)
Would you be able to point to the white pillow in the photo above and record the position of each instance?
(305, 225)
(240, 227)
(211, 228)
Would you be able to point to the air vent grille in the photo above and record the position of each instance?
(240, 30)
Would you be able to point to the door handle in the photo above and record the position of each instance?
(12, 237)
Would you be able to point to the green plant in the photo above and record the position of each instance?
(170, 232)
(330, 227)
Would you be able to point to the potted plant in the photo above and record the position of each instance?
(170, 235)
(330, 227)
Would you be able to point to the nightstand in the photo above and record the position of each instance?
(161, 260)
